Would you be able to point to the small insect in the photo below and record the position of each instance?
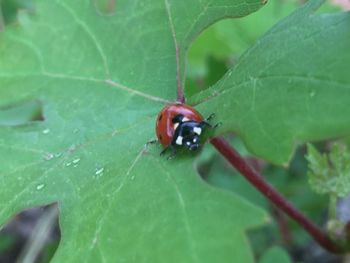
(179, 125)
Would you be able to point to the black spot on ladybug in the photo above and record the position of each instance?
(160, 117)
(160, 137)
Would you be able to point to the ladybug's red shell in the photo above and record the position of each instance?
(165, 127)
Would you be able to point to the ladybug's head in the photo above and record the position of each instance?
(192, 142)
(178, 118)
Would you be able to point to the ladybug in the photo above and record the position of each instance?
(180, 125)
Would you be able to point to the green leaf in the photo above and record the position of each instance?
(226, 40)
(229, 38)
(329, 174)
(291, 87)
(223, 42)
(101, 80)
(275, 254)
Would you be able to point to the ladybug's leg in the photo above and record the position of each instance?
(217, 125)
(173, 149)
(206, 123)
(164, 150)
(173, 154)
(151, 141)
(210, 117)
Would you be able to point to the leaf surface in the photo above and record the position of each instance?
(101, 80)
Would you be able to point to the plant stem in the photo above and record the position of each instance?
(238, 162)
(39, 236)
(347, 233)
(282, 223)
(332, 214)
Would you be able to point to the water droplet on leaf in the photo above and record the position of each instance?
(76, 161)
(99, 171)
(48, 156)
(40, 186)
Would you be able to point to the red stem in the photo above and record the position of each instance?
(282, 223)
(275, 197)
(347, 231)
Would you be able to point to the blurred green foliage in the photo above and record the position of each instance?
(219, 47)
(329, 173)
(10, 8)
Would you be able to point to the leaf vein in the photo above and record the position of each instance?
(87, 30)
(182, 204)
(114, 193)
